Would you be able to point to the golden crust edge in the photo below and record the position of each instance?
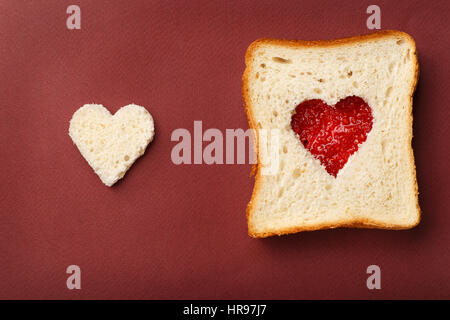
(352, 223)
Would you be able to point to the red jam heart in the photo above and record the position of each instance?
(332, 134)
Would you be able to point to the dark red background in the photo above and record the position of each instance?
(170, 231)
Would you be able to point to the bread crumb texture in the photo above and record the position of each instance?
(377, 187)
(111, 143)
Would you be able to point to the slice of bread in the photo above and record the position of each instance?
(111, 143)
(377, 186)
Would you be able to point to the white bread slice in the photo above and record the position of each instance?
(111, 143)
(377, 187)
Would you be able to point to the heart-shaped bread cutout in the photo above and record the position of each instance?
(332, 134)
(111, 143)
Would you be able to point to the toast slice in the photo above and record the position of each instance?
(376, 186)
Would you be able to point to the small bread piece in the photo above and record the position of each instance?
(111, 143)
(377, 186)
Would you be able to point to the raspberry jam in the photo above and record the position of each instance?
(332, 134)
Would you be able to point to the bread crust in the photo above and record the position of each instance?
(256, 169)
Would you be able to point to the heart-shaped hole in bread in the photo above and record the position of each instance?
(332, 133)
